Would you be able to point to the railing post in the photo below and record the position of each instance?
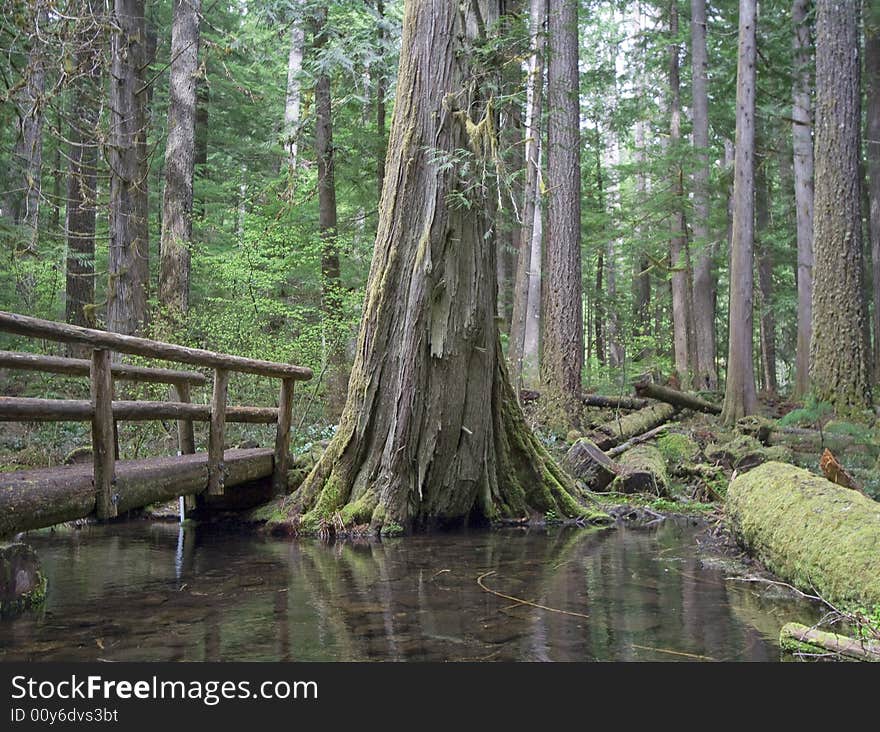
(103, 440)
(280, 465)
(216, 469)
(186, 439)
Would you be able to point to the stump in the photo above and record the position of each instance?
(588, 463)
(22, 582)
(642, 470)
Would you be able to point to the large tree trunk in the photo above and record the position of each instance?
(380, 88)
(293, 97)
(705, 284)
(838, 351)
(562, 357)
(81, 209)
(523, 350)
(129, 254)
(678, 253)
(432, 430)
(872, 137)
(740, 396)
(767, 320)
(802, 148)
(179, 162)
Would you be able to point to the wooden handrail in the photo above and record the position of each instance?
(103, 412)
(81, 367)
(63, 332)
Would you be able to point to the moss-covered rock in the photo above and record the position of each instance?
(816, 535)
(22, 582)
(678, 448)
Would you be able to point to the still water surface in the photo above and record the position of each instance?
(153, 592)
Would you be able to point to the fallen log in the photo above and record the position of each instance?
(676, 398)
(642, 470)
(619, 430)
(797, 638)
(594, 400)
(810, 532)
(637, 440)
(744, 453)
(586, 461)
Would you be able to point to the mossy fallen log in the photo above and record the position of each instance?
(588, 463)
(642, 470)
(679, 399)
(797, 638)
(744, 453)
(820, 537)
(619, 430)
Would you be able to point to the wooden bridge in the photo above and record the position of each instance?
(31, 499)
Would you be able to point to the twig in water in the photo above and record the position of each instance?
(524, 602)
(674, 653)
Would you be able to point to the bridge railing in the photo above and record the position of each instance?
(103, 412)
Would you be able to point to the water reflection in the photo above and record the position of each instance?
(152, 592)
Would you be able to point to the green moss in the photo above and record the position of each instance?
(677, 448)
(392, 528)
(19, 563)
(814, 534)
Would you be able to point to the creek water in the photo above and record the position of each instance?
(151, 591)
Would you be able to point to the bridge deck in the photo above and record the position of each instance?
(32, 499)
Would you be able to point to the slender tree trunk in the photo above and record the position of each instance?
(129, 255)
(740, 397)
(200, 153)
(562, 358)
(525, 322)
(293, 98)
(431, 430)
(872, 137)
(599, 298)
(641, 275)
(802, 148)
(838, 352)
(767, 321)
(380, 85)
(81, 209)
(179, 162)
(705, 281)
(678, 254)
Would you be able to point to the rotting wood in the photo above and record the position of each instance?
(587, 462)
(797, 638)
(103, 437)
(637, 440)
(26, 409)
(65, 333)
(642, 470)
(282, 438)
(82, 367)
(217, 433)
(680, 399)
(619, 430)
(593, 400)
(836, 473)
(33, 499)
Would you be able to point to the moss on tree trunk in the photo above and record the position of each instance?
(814, 534)
(431, 430)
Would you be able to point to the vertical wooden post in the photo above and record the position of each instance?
(103, 439)
(280, 465)
(216, 469)
(186, 439)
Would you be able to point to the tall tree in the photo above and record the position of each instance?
(432, 430)
(740, 397)
(704, 282)
(562, 355)
(177, 202)
(128, 262)
(872, 138)
(81, 209)
(380, 90)
(682, 333)
(764, 256)
(838, 351)
(802, 148)
(293, 97)
(525, 324)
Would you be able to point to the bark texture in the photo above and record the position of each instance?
(802, 148)
(767, 319)
(177, 202)
(129, 241)
(838, 351)
(432, 431)
(705, 280)
(562, 355)
(740, 397)
(81, 209)
(872, 150)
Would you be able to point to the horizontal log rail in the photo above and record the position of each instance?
(103, 412)
(82, 367)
